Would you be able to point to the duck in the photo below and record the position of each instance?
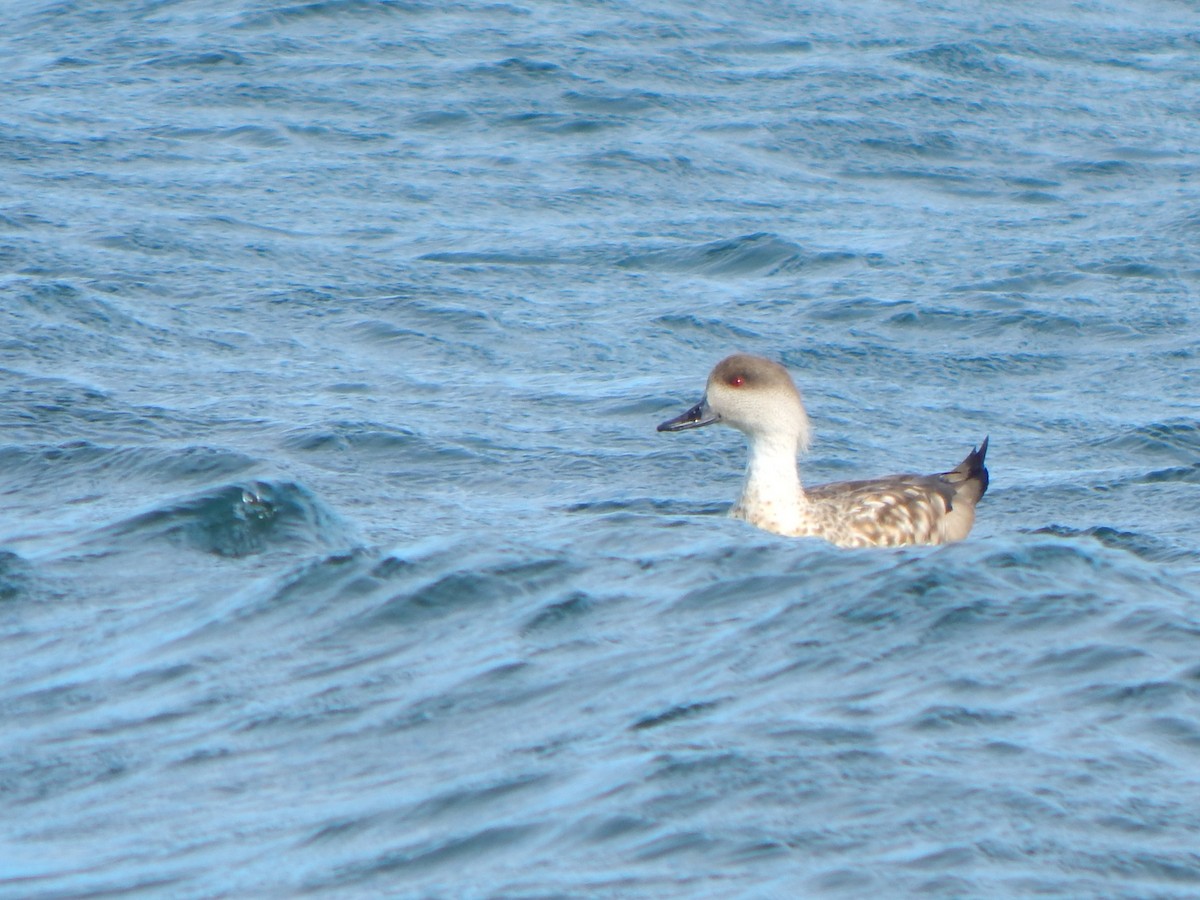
(758, 397)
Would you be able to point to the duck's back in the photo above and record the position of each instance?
(901, 509)
(885, 512)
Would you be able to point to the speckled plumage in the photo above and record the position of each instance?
(759, 398)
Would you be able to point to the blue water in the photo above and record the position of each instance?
(339, 556)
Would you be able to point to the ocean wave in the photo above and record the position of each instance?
(234, 520)
(759, 254)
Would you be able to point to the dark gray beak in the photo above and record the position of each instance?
(699, 415)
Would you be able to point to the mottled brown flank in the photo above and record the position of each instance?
(882, 514)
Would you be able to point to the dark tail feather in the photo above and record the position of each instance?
(971, 470)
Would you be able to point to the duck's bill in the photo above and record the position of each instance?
(696, 417)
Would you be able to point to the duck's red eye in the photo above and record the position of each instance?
(737, 381)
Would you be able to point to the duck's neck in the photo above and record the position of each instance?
(772, 497)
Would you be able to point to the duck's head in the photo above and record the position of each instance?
(752, 394)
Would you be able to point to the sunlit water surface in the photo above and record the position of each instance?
(341, 557)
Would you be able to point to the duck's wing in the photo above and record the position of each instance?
(883, 512)
(903, 509)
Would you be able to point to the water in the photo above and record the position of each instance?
(339, 556)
